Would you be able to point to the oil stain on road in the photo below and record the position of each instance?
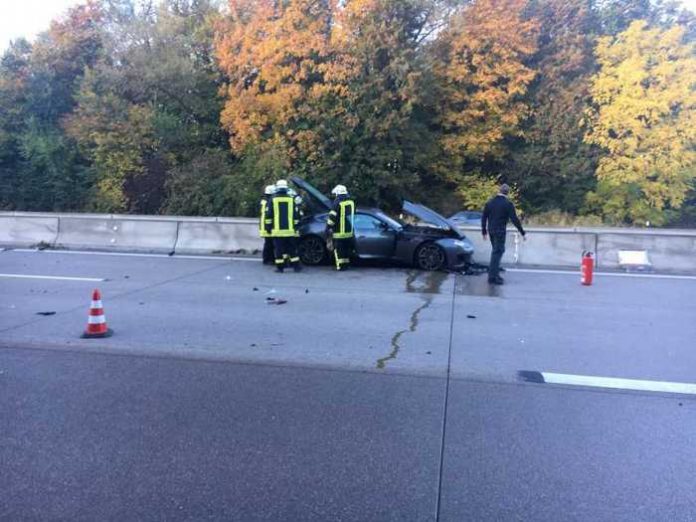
(428, 285)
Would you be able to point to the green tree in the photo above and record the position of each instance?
(41, 169)
(151, 104)
(552, 166)
(375, 110)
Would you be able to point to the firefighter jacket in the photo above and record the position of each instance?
(341, 218)
(283, 214)
(265, 223)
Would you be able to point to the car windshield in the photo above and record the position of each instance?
(392, 222)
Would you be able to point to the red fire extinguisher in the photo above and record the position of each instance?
(587, 268)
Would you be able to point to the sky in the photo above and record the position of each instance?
(29, 17)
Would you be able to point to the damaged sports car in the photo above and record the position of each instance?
(422, 238)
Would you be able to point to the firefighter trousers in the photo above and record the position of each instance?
(268, 253)
(343, 249)
(285, 250)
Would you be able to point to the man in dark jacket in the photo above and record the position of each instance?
(496, 214)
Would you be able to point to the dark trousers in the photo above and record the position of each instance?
(497, 251)
(343, 249)
(285, 250)
(268, 253)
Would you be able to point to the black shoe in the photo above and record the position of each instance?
(496, 281)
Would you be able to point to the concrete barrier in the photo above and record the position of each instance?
(205, 238)
(665, 252)
(668, 250)
(117, 234)
(558, 248)
(27, 231)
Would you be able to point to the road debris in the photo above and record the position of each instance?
(471, 317)
(45, 313)
(306, 290)
(274, 301)
(255, 289)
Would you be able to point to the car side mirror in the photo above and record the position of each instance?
(383, 226)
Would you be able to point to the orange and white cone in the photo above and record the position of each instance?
(96, 322)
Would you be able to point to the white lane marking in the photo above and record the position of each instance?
(619, 384)
(131, 254)
(54, 278)
(603, 274)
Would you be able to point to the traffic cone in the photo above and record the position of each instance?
(96, 322)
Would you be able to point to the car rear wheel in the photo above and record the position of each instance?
(312, 250)
(430, 257)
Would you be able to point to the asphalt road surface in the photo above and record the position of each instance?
(375, 394)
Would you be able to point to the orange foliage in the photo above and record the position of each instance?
(484, 76)
(271, 52)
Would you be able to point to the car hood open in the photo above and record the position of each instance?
(312, 191)
(420, 212)
(428, 215)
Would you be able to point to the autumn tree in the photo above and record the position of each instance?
(271, 53)
(644, 118)
(483, 75)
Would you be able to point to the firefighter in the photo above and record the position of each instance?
(340, 226)
(284, 218)
(266, 225)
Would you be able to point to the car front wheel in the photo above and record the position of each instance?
(430, 257)
(312, 250)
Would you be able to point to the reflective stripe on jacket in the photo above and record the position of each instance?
(341, 218)
(265, 224)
